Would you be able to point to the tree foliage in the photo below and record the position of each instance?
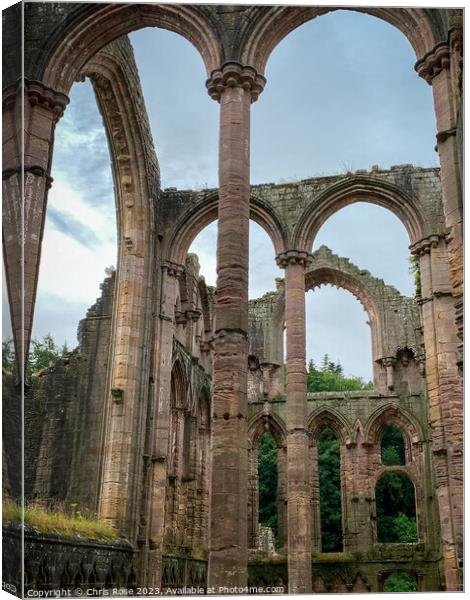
(396, 510)
(267, 475)
(399, 581)
(330, 378)
(330, 491)
(41, 355)
(392, 447)
(414, 270)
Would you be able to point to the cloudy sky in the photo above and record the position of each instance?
(341, 95)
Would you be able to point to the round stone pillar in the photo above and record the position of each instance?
(32, 109)
(235, 87)
(298, 464)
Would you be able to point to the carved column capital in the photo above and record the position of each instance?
(206, 345)
(38, 94)
(34, 169)
(293, 257)
(424, 246)
(172, 269)
(389, 364)
(434, 62)
(193, 315)
(234, 74)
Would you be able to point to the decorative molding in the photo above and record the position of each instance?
(37, 94)
(34, 169)
(434, 62)
(442, 136)
(293, 257)
(424, 246)
(234, 74)
(172, 269)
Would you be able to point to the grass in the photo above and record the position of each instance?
(58, 521)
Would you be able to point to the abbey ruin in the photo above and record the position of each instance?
(154, 421)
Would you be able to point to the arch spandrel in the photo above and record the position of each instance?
(380, 301)
(263, 423)
(392, 414)
(183, 215)
(327, 416)
(350, 189)
(88, 28)
(423, 28)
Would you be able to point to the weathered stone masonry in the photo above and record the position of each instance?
(358, 418)
(65, 42)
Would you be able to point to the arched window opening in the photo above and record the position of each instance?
(400, 581)
(268, 489)
(373, 238)
(262, 264)
(338, 342)
(80, 226)
(392, 448)
(188, 449)
(379, 86)
(176, 433)
(396, 509)
(184, 126)
(329, 475)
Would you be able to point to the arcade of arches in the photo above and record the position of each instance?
(156, 418)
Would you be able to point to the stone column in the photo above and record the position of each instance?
(282, 495)
(26, 181)
(445, 394)
(235, 87)
(298, 464)
(155, 510)
(253, 497)
(315, 497)
(442, 69)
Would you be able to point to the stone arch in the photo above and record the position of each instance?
(206, 304)
(419, 511)
(90, 27)
(316, 277)
(259, 425)
(114, 76)
(326, 416)
(179, 392)
(360, 188)
(392, 414)
(266, 423)
(205, 211)
(423, 28)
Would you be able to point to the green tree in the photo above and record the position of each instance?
(405, 529)
(330, 491)
(43, 353)
(414, 269)
(392, 447)
(267, 476)
(8, 356)
(399, 581)
(330, 378)
(396, 510)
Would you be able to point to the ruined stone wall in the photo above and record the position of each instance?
(11, 437)
(65, 412)
(187, 497)
(292, 213)
(57, 562)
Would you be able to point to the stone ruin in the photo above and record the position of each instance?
(154, 421)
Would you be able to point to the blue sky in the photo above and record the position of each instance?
(341, 95)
